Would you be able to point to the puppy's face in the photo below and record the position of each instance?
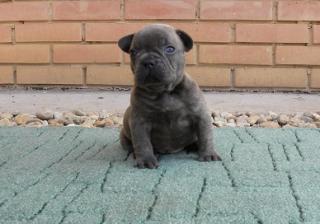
(157, 55)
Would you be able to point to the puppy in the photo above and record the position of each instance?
(167, 110)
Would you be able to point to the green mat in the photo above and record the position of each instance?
(74, 175)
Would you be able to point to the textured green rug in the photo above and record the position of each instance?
(73, 175)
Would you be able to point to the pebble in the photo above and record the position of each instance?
(106, 119)
(46, 115)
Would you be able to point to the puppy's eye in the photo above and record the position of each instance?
(169, 50)
(133, 52)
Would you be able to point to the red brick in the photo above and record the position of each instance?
(68, 75)
(206, 31)
(209, 76)
(24, 11)
(315, 78)
(298, 55)
(79, 53)
(236, 10)
(5, 33)
(86, 10)
(6, 75)
(299, 10)
(272, 33)
(316, 34)
(233, 54)
(48, 32)
(160, 9)
(271, 77)
(24, 54)
(109, 75)
(110, 31)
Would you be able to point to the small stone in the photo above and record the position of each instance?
(238, 114)
(34, 123)
(308, 114)
(306, 119)
(108, 122)
(261, 119)
(227, 115)
(273, 115)
(215, 114)
(88, 123)
(47, 115)
(22, 119)
(58, 115)
(242, 121)
(316, 116)
(253, 119)
(103, 114)
(310, 125)
(295, 121)
(79, 112)
(6, 115)
(270, 124)
(232, 125)
(100, 123)
(56, 122)
(5, 122)
(283, 119)
(72, 125)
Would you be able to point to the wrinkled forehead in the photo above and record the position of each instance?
(156, 36)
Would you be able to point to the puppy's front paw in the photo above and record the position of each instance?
(211, 156)
(149, 161)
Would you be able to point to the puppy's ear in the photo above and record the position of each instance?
(186, 40)
(125, 42)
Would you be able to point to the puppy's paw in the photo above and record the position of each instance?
(149, 161)
(212, 156)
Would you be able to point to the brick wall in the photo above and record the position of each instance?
(273, 44)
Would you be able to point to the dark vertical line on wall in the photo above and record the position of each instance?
(198, 10)
(83, 32)
(232, 78)
(233, 28)
(308, 84)
(15, 75)
(274, 11)
(310, 29)
(122, 10)
(50, 11)
(84, 75)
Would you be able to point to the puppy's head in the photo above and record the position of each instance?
(157, 55)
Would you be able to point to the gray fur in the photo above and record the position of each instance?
(167, 110)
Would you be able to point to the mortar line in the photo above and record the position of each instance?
(203, 187)
(230, 177)
(285, 152)
(84, 151)
(62, 157)
(296, 198)
(64, 213)
(275, 168)
(105, 178)
(103, 219)
(297, 137)
(237, 134)
(55, 196)
(251, 135)
(255, 216)
(232, 152)
(299, 151)
(153, 191)
(64, 134)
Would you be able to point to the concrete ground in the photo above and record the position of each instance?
(74, 175)
(32, 101)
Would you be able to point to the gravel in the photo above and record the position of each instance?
(106, 119)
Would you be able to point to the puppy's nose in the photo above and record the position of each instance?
(149, 64)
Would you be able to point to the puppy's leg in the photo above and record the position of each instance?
(205, 140)
(143, 150)
(125, 142)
